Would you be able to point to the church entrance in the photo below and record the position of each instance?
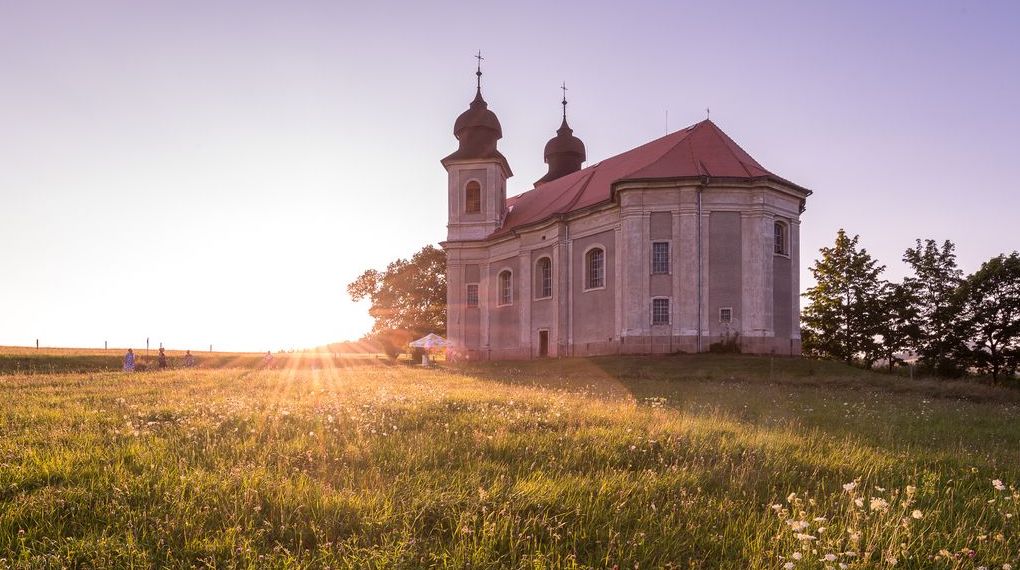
(543, 344)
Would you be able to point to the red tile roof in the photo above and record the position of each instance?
(698, 151)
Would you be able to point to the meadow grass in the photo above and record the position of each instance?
(675, 462)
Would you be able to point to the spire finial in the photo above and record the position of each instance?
(479, 72)
(708, 113)
(564, 88)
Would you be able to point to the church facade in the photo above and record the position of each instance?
(674, 246)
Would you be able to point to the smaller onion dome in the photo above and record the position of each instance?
(564, 153)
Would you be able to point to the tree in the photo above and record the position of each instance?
(408, 299)
(991, 301)
(897, 324)
(938, 337)
(843, 316)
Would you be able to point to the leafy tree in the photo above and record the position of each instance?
(991, 301)
(938, 337)
(897, 325)
(408, 299)
(843, 315)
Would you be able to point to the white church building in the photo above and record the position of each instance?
(673, 246)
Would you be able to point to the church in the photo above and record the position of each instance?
(683, 244)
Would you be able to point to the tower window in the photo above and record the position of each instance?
(543, 279)
(781, 238)
(595, 269)
(660, 257)
(506, 292)
(660, 311)
(472, 295)
(473, 198)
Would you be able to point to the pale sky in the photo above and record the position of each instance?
(206, 172)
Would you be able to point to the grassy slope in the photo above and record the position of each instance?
(689, 461)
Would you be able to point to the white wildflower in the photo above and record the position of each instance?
(879, 504)
(797, 526)
(830, 557)
(997, 483)
(788, 566)
(917, 514)
(850, 486)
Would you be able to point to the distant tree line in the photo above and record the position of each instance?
(954, 324)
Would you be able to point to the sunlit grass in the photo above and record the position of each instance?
(692, 461)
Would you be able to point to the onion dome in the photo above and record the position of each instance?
(477, 130)
(564, 153)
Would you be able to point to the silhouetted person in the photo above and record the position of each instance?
(189, 360)
(268, 358)
(129, 361)
(161, 362)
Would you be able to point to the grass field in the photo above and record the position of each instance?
(26, 360)
(676, 462)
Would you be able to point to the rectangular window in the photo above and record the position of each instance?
(472, 295)
(725, 315)
(660, 311)
(660, 257)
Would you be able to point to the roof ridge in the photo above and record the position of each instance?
(730, 144)
(584, 186)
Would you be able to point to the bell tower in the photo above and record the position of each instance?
(476, 171)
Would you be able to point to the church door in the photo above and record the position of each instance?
(543, 344)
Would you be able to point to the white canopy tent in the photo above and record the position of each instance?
(429, 342)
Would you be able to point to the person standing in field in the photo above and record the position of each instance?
(189, 360)
(129, 361)
(161, 363)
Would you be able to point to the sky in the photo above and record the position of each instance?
(214, 173)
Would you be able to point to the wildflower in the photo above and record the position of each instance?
(788, 566)
(859, 502)
(917, 514)
(796, 555)
(830, 557)
(777, 507)
(892, 560)
(879, 504)
(800, 536)
(790, 498)
(997, 483)
(797, 526)
(1007, 566)
(848, 487)
(911, 490)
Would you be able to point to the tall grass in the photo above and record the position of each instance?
(712, 462)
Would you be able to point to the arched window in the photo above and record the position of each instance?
(473, 198)
(595, 269)
(781, 237)
(543, 278)
(506, 291)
